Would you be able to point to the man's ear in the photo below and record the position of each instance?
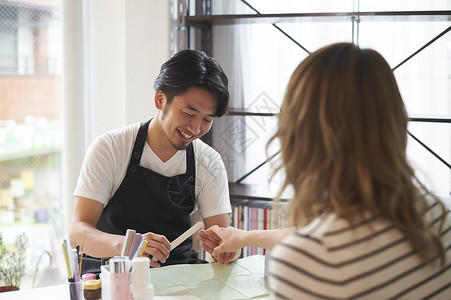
(160, 99)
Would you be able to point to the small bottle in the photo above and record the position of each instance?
(141, 287)
(92, 289)
(119, 278)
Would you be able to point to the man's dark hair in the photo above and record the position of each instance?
(191, 68)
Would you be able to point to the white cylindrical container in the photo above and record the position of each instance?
(119, 278)
(141, 287)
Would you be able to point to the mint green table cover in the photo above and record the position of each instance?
(242, 279)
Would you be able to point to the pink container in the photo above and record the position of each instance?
(88, 276)
(119, 279)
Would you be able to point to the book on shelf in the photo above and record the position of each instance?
(256, 215)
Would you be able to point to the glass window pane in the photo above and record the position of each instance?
(31, 132)
(262, 58)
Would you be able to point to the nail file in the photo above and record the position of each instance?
(127, 242)
(140, 250)
(184, 236)
(135, 244)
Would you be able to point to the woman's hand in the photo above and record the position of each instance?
(223, 243)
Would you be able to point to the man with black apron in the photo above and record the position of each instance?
(150, 177)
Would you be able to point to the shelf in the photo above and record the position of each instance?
(413, 118)
(430, 118)
(253, 192)
(208, 20)
(253, 203)
(237, 112)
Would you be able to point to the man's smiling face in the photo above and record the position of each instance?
(188, 117)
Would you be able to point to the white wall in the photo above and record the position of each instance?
(113, 50)
(73, 90)
(147, 40)
(104, 66)
(128, 42)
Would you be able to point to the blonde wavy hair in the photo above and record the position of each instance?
(343, 135)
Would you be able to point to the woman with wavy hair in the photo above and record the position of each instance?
(364, 226)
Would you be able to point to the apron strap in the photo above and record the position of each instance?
(138, 147)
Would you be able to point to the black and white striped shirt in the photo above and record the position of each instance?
(329, 259)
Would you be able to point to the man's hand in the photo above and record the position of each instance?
(222, 243)
(158, 246)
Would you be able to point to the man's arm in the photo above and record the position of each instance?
(84, 219)
(222, 220)
(101, 244)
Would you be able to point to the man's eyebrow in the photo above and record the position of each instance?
(195, 110)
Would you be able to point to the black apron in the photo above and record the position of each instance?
(149, 202)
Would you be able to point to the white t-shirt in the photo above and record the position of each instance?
(328, 259)
(108, 157)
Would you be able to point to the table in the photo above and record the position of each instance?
(242, 279)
